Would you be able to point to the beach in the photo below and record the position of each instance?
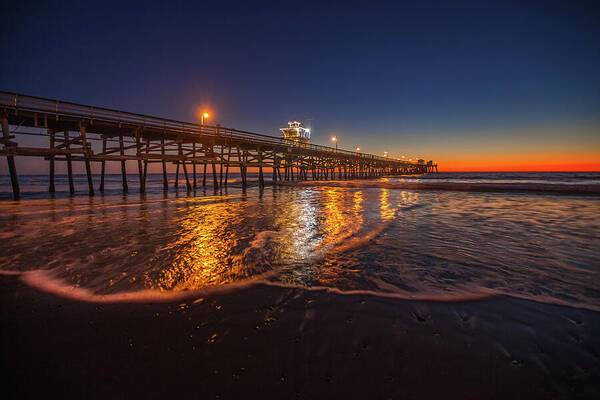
(364, 289)
(300, 200)
(271, 342)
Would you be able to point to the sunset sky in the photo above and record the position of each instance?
(478, 86)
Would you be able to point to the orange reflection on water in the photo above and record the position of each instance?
(408, 199)
(357, 201)
(386, 210)
(203, 247)
(334, 220)
(220, 242)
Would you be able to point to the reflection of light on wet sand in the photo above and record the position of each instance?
(386, 210)
(304, 234)
(334, 221)
(392, 242)
(358, 200)
(188, 243)
(296, 222)
(210, 247)
(318, 222)
(408, 199)
(203, 246)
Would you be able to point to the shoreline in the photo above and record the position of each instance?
(45, 282)
(277, 342)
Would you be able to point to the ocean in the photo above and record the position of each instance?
(371, 236)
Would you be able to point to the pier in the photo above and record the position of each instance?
(202, 154)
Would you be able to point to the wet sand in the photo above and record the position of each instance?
(271, 342)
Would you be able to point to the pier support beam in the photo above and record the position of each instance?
(221, 167)
(261, 178)
(146, 161)
(164, 165)
(69, 162)
(10, 158)
(138, 152)
(188, 186)
(51, 187)
(227, 165)
(274, 168)
(194, 165)
(214, 174)
(123, 167)
(87, 150)
(103, 164)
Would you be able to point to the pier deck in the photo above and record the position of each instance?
(80, 133)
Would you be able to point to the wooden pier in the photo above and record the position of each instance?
(87, 134)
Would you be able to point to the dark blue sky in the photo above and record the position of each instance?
(414, 77)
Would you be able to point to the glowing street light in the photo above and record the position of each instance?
(357, 149)
(335, 140)
(203, 116)
(385, 153)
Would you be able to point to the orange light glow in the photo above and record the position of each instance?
(543, 162)
(204, 112)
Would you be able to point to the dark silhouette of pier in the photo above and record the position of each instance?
(81, 133)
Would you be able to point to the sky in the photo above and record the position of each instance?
(475, 86)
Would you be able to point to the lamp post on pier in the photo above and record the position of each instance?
(335, 140)
(203, 116)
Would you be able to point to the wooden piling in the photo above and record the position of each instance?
(10, 159)
(164, 165)
(51, 187)
(138, 150)
(69, 162)
(86, 154)
(146, 161)
(221, 167)
(194, 165)
(123, 166)
(214, 174)
(274, 178)
(227, 165)
(261, 178)
(103, 164)
(185, 172)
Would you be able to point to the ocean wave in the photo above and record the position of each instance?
(554, 188)
(46, 282)
(399, 243)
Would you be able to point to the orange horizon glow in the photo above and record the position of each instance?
(517, 163)
(525, 168)
(531, 166)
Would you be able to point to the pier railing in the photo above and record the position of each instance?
(62, 109)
